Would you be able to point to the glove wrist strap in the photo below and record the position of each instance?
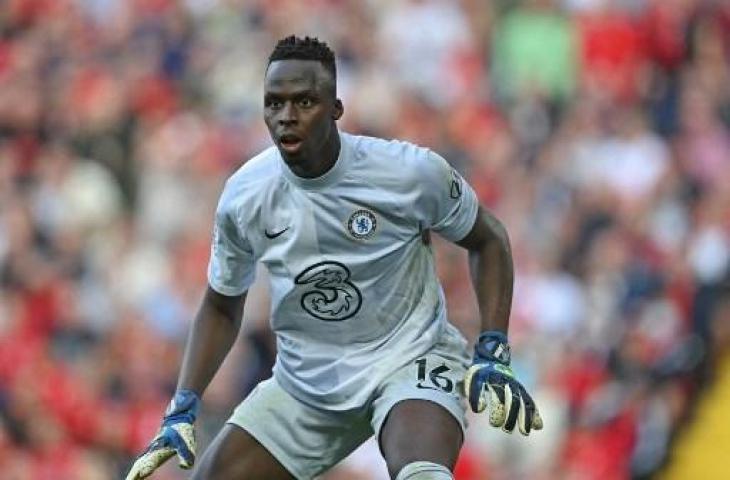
(493, 346)
(184, 406)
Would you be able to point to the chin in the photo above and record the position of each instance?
(296, 161)
(293, 158)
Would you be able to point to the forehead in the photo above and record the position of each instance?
(295, 73)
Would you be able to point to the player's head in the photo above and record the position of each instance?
(300, 99)
(307, 48)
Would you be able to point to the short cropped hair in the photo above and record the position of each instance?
(307, 48)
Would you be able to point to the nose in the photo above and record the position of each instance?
(288, 114)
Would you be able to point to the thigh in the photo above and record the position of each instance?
(235, 454)
(307, 441)
(420, 430)
(419, 413)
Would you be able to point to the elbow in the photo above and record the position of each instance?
(225, 307)
(498, 233)
(488, 232)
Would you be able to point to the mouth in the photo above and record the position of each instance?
(290, 143)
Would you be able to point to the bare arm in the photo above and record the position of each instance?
(490, 262)
(214, 330)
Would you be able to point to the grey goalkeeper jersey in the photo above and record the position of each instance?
(354, 291)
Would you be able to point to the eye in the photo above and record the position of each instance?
(306, 102)
(273, 104)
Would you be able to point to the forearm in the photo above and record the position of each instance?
(211, 337)
(493, 277)
(492, 271)
(490, 381)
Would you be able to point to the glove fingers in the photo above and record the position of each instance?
(536, 420)
(496, 406)
(527, 411)
(512, 407)
(134, 472)
(148, 463)
(509, 404)
(185, 461)
(183, 441)
(474, 390)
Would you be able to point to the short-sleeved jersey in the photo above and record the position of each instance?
(354, 290)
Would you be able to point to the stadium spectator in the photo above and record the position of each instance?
(119, 121)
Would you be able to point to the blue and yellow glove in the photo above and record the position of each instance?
(490, 383)
(176, 435)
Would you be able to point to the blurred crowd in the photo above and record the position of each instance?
(597, 130)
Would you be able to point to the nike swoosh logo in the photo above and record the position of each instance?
(275, 234)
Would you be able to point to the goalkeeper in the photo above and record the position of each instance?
(342, 223)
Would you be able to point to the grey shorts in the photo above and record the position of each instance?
(308, 441)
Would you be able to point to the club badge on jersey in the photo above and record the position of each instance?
(362, 224)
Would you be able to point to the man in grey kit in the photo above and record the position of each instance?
(341, 223)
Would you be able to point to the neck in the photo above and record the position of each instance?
(320, 164)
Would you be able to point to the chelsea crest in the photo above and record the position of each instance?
(362, 224)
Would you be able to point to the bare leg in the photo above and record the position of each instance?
(235, 455)
(419, 430)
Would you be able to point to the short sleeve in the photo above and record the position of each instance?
(232, 266)
(448, 204)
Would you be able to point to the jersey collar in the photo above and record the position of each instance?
(330, 177)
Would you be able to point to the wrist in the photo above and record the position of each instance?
(492, 345)
(184, 406)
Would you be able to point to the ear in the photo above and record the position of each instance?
(338, 109)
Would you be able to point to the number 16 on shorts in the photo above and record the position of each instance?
(433, 377)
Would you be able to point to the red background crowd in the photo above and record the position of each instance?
(596, 130)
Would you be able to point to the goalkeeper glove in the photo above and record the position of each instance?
(490, 382)
(176, 435)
